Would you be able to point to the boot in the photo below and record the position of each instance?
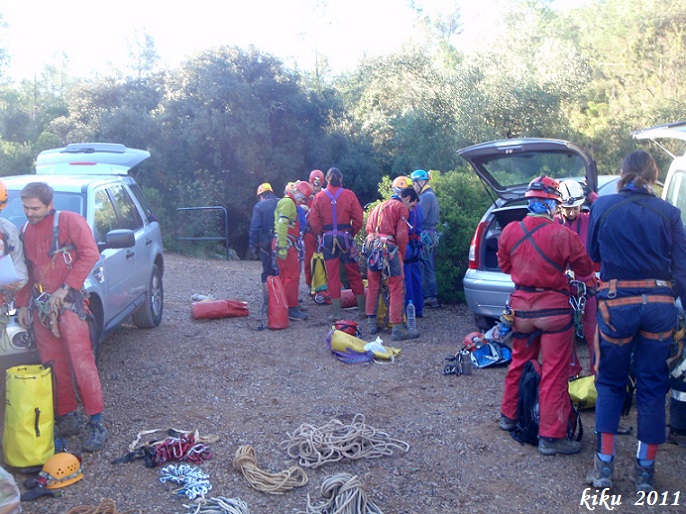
(400, 333)
(68, 424)
(506, 423)
(600, 476)
(643, 477)
(550, 446)
(96, 438)
(336, 304)
(361, 305)
(372, 326)
(296, 314)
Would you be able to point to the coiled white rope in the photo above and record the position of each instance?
(219, 505)
(344, 495)
(271, 483)
(316, 446)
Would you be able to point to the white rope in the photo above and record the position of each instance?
(344, 495)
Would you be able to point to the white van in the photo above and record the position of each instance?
(674, 190)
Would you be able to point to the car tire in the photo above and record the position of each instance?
(149, 315)
(484, 323)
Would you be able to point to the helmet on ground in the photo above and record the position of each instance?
(317, 177)
(401, 182)
(545, 188)
(61, 470)
(3, 194)
(302, 191)
(263, 188)
(572, 193)
(420, 175)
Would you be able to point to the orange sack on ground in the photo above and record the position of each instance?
(215, 309)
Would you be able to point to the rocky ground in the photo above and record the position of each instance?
(255, 387)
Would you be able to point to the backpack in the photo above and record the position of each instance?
(528, 409)
(492, 353)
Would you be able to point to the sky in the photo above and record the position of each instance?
(94, 35)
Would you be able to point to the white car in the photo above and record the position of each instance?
(92, 179)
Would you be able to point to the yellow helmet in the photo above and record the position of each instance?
(263, 188)
(61, 470)
(3, 194)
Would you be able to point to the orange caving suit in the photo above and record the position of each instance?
(286, 235)
(72, 352)
(536, 253)
(387, 225)
(338, 245)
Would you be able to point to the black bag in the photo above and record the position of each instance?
(528, 409)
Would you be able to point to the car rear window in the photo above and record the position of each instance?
(522, 168)
(14, 211)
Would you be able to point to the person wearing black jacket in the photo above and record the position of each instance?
(262, 230)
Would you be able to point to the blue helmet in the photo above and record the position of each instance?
(419, 175)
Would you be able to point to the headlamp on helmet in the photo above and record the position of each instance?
(544, 188)
(301, 191)
(316, 177)
(401, 182)
(572, 193)
(60, 470)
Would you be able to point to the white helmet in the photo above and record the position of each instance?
(572, 193)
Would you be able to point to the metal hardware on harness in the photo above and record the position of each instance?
(578, 303)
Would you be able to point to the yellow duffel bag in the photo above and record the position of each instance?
(340, 341)
(582, 392)
(28, 438)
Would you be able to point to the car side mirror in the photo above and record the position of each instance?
(119, 238)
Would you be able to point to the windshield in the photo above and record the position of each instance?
(14, 211)
(520, 169)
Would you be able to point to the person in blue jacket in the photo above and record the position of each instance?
(262, 231)
(429, 203)
(640, 242)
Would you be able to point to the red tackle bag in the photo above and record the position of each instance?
(215, 309)
(277, 308)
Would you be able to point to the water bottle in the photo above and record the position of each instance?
(465, 362)
(411, 316)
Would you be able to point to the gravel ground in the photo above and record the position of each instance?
(252, 387)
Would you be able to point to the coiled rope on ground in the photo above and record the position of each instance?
(271, 483)
(219, 505)
(344, 495)
(107, 506)
(316, 446)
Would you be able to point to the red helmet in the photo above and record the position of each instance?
(473, 340)
(544, 187)
(317, 177)
(302, 191)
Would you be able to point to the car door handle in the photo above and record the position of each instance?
(148, 242)
(130, 254)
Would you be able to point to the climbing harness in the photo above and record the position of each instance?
(179, 446)
(343, 494)
(577, 299)
(194, 482)
(245, 461)
(218, 505)
(349, 247)
(334, 441)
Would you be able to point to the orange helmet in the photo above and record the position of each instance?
(61, 470)
(545, 188)
(317, 177)
(263, 188)
(401, 182)
(3, 194)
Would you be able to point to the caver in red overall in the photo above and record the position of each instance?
(536, 252)
(337, 243)
(309, 240)
(72, 352)
(387, 226)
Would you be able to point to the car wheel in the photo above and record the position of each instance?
(149, 314)
(484, 323)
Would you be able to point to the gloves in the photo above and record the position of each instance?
(283, 253)
(592, 285)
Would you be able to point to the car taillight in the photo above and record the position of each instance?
(475, 246)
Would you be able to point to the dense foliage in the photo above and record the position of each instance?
(228, 118)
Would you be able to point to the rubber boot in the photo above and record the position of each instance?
(336, 304)
(296, 314)
(400, 333)
(372, 325)
(361, 305)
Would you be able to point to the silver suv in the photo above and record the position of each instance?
(92, 179)
(506, 167)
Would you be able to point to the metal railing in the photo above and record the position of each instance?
(225, 227)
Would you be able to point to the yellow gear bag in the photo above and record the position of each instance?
(319, 278)
(28, 438)
(582, 391)
(340, 341)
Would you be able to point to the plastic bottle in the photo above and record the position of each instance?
(411, 316)
(465, 362)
